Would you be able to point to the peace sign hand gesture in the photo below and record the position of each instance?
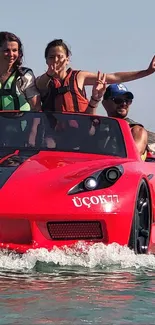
(56, 67)
(99, 87)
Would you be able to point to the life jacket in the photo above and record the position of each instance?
(131, 122)
(65, 96)
(10, 97)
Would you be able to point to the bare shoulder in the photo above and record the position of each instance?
(42, 81)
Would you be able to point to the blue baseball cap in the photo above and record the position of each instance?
(116, 90)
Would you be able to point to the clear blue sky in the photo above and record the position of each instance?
(107, 35)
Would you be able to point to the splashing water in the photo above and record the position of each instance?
(87, 256)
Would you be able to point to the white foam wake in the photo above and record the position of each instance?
(97, 255)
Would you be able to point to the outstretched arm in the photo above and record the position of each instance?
(86, 78)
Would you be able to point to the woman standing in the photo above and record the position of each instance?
(63, 89)
(17, 84)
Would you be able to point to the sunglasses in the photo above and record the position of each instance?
(119, 101)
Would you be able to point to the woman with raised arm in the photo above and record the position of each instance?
(63, 89)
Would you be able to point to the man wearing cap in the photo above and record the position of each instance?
(116, 101)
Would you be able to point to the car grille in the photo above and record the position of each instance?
(75, 230)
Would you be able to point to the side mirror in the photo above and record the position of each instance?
(150, 157)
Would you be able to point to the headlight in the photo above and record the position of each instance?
(90, 183)
(99, 180)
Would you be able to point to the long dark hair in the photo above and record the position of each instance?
(10, 37)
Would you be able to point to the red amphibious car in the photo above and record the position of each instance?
(66, 178)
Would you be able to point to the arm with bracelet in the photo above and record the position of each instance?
(98, 91)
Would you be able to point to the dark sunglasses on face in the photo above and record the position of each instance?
(119, 101)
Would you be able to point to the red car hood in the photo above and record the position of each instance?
(54, 172)
(58, 165)
(41, 183)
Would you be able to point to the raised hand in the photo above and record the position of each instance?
(56, 67)
(99, 87)
(151, 68)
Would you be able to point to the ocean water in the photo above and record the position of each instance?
(84, 285)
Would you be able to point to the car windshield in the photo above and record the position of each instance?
(61, 132)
